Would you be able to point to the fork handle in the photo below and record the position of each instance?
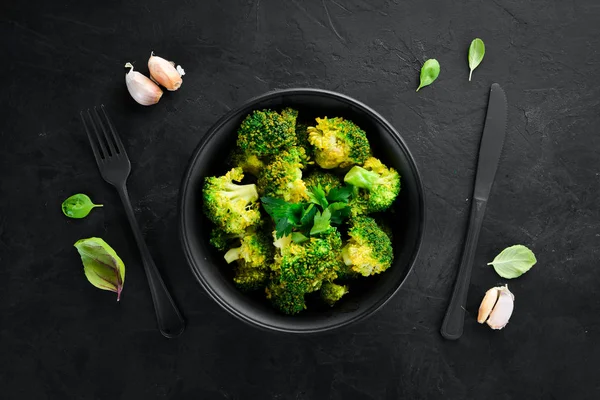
(170, 321)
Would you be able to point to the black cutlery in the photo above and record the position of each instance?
(115, 167)
(490, 148)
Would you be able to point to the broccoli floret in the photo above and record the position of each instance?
(313, 261)
(346, 273)
(253, 256)
(385, 227)
(266, 132)
(327, 180)
(232, 207)
(290, 115)
(250, 279)
(338, 143)
(332, 292)
(369, 250)
(282, 177)
(221, 239)
(302, 139)
(301, 268)
(248, 162)
(255, 251)
(378, 186)
(284, 299)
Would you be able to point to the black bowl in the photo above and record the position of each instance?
(368, 294)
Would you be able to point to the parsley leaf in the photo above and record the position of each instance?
(341, 194)
(322, 222)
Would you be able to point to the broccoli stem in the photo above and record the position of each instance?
(361, 178)
(233, 254)
(282, 242)
(246, 192)
(346, 256)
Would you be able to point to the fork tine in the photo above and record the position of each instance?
(109, 140)
(98, 138)
(119, 144)
(93, 143)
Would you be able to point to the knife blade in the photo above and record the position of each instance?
(492, 140)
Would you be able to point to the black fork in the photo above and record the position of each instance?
(114, 166)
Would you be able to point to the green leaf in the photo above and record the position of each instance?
(513, 261)
(339, 212)
(322, 222)
(316, 194)
(308, 217)
(297, 237)
(341, 194)
(78, 206)
(476, 53)
(101, 265)
(283, 227)
(429, 73)
(278, 208)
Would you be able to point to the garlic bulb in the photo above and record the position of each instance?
(141, 88)
(497, 307)
(164, 72)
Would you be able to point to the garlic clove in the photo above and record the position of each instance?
(503, 309)
(165, 73)
(488, 303)
(141, 88)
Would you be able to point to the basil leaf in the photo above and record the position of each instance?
(322, 222)
(513, 261)
(316, 195)
(78, 206)
(476, 53)
(429, 73)
(102, 266)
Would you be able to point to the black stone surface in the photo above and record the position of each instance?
(60, 338)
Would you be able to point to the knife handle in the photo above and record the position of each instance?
(452, 327)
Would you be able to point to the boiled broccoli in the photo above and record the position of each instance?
(221, 239)
(248, 162)
(282, 177)
(232, 207)
(385, 226)
(255, 251)
(301, 268)
(302, 140)
(306, 254)
(290, 115)
(338, 143)
(253, 256)
(266, 132)
(377, 186)
(285, 299)
(359, 203)
(369, 250)
(250, 279)
(346, 273)
(332, 292)
(306, 265)
(327, 180)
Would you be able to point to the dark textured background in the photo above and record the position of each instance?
(60, 338)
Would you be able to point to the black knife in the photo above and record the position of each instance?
(489, 156)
